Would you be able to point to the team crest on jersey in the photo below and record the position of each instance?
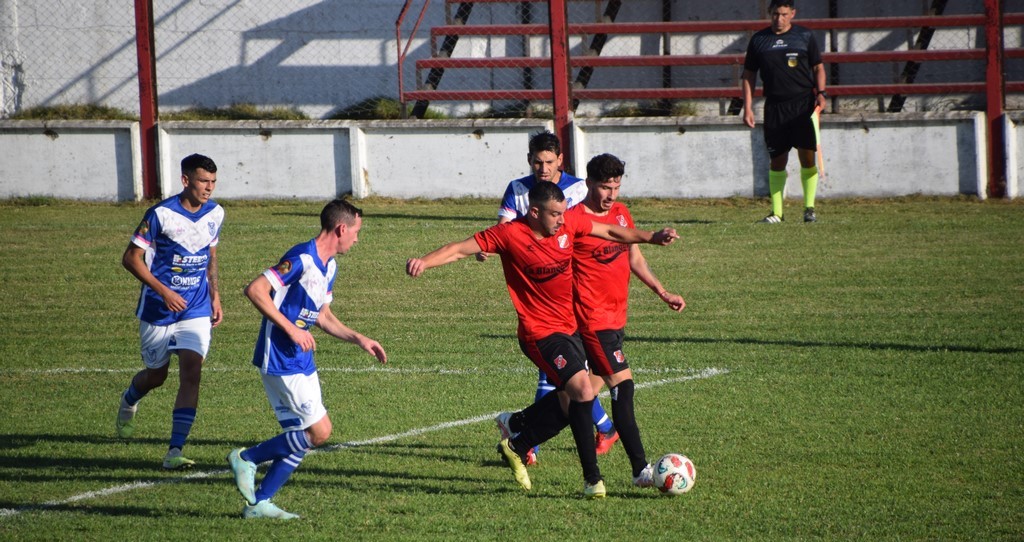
(560, 363)
(792, 59)
(622, 220)
(213, 228)
(283, 268)
(619, 358)
(143, 228)
(563, 240)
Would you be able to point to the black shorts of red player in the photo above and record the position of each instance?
(560, 356)
(604, 350)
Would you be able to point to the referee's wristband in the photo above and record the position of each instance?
(822, 93)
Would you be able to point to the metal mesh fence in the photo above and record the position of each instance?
(338, 58)
(55, 52)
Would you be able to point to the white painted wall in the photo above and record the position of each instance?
(684, 157)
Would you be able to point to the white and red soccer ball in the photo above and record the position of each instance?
(674, 474)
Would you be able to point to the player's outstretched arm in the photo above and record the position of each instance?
(638, 264)
(259, 292)
(613, 232)
(452, 252)
(328, 322)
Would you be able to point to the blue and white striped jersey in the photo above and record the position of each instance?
(516, 201)
(177, 248)
(302, 285)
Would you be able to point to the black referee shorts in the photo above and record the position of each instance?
(788, 124)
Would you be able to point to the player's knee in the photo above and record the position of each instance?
(578, 388)
(154, 378)
(319, 432)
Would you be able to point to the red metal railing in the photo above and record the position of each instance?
(993, 87)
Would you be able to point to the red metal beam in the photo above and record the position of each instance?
(995, 99)
(698, 60)
(691, 93)
(698, 27)
(146, 55)
(559, 19)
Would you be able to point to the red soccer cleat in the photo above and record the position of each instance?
(604, 441)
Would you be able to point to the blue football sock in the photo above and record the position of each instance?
(132, 396)
(543, 387)
(181, 425)
(601, 420)
(278, 447)
(278, 473)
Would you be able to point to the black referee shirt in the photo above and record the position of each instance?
(785, 61)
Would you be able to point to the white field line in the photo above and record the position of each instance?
(8, 512)
(352, 370)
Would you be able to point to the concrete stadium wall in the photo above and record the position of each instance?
(683, 157)
(96, 160)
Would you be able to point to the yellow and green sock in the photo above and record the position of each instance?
(809, 180)
(776, 184)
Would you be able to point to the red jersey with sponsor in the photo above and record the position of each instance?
(538, 273)
(601, 273)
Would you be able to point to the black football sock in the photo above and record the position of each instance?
(541, 408)
(581, 420)
(543, 422)
(625, 424)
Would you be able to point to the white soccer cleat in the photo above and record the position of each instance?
(645, 478)
(175, 461)
(266, 509)
(502, 421)
(126, 419)
(245, 475)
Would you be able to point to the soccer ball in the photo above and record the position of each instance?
(674, 474)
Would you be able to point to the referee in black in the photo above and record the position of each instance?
(793, 76)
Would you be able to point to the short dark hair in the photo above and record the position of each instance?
(544, 141)
(338, 211)
(542, 193)
(605, 166)
(192, 162)
(781, 4)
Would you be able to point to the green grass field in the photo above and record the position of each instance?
(858, 378)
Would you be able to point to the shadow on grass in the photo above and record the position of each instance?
(484, 220)
(808, 344)
(12, 441)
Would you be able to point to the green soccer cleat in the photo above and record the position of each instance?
(516, 463)
(245, 475)
(175, 461)
(595, 491)
(266, 509)
(126, 420)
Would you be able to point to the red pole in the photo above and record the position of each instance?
(147, 95)
(995, 98)
(560, 78)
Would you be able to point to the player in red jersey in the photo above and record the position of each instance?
(536, 256)
(601, 271)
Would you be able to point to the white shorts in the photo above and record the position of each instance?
(295, 399)
(158, 342)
